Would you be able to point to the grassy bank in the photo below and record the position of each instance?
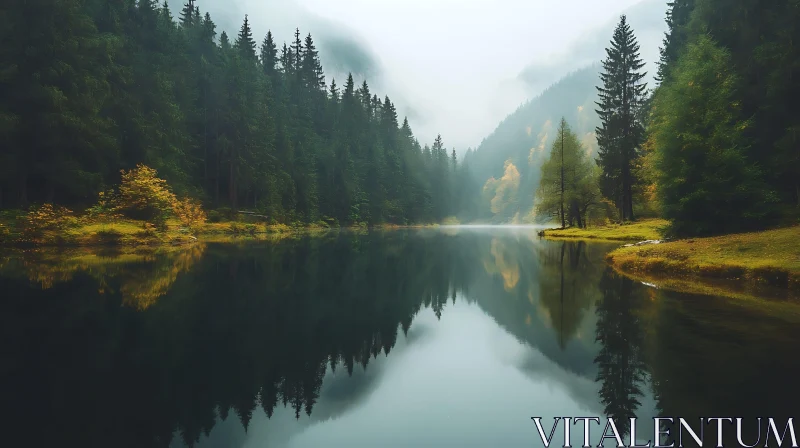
(646, 229)
(768, 258)
(132, 233)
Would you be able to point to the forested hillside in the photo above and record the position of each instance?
(507, 164)
(723, 141)
(713, 146)
(91, 87)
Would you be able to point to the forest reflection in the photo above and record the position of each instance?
(140, 350)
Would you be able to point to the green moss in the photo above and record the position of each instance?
(646, 229)
(133, 233)
(770, 258)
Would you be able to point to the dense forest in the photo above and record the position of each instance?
(91, 87)
(723, 133)
(715, 147)
(712, 145)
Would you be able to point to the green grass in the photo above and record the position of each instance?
(770, 257)
(451, 221)
(645, 229)
(133, 233)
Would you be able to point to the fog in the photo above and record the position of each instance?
(455, 67)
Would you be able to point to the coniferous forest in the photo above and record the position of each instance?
(89, 88)
(713, 146)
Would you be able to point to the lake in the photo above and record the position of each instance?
(449, 337)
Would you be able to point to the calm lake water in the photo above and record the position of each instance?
(420, 338)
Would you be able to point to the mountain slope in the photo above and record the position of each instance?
(507, 163)
(524, 139)
(647, 18)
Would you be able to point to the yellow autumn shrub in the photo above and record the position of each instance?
(145, 196)
(44, 218)
(190, 212)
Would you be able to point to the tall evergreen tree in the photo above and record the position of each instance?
(244, 41)
(296, 49)
(706, 185)
(621, 131)
(311, 66)
(678, 15)
(188, 14)
(269, 56)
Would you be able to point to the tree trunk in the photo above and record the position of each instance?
(629, 193)
(23, 189)
(561, 330)
(205, 151)
(232, 185)
(217, 158)
(563, 224)
(216, 184)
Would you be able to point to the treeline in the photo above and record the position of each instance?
(90, 87)
(714, 148)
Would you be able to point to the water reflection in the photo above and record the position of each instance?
(621, 366)
(299, 343)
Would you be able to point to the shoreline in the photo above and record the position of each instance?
(769, 259)
(645, 229)
(744, 265)
(732, 265)
(127, 233)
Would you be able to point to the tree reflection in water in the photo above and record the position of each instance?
(130, 352)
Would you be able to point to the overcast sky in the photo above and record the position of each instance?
(453, 66)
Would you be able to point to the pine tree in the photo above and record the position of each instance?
(706, 184)
(188, 14)
(245, 43)
(621, 132)
(217, 120)
(366, 98)
(269, 56)
(286, 60)
(53, 90)
(311, 66)
(333, 93)
(678, 16)
(296, 49)
(564, 188)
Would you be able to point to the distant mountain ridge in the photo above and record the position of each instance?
(525, 136)
(647, 18)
